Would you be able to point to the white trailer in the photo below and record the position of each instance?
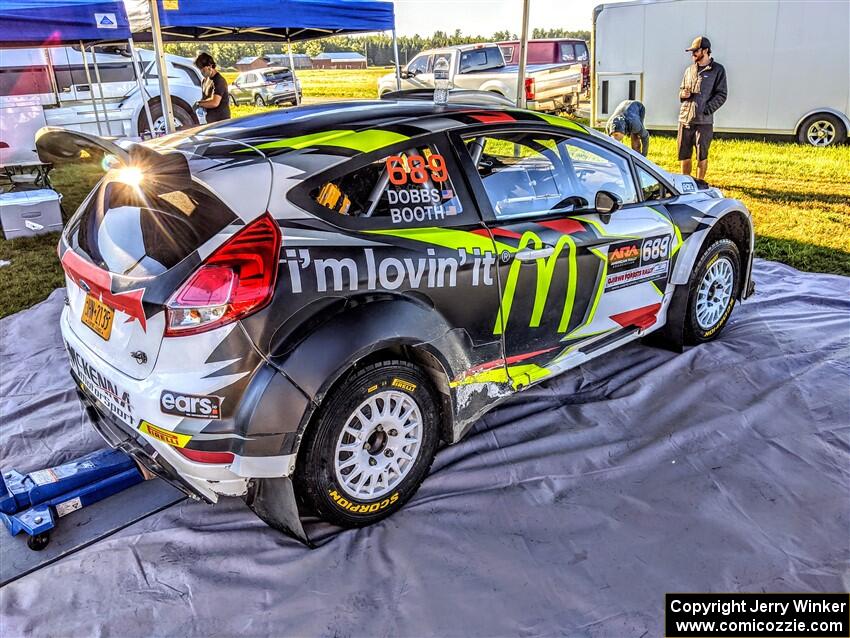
(787, 63)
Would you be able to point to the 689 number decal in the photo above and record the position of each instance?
(416, 169)
(655, 248)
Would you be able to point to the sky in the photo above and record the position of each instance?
(485, 17)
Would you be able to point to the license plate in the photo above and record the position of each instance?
(98, 316)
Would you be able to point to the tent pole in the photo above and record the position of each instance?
(162, 69)
(397, 61)
(142, 91)
(292, 70)
(91, 88)
(100, 90)
(523, 56)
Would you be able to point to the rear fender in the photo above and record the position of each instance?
(320, 360)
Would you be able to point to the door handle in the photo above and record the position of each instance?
(539, 253)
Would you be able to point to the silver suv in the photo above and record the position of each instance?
(275, 85)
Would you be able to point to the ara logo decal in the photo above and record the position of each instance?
(105, 21)
(622, 255)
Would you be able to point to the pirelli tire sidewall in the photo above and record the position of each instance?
(694, 333)
(315, 478)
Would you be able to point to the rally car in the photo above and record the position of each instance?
(298, 307)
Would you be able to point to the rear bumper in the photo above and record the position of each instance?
(261, 434)
(280, 98)
(122, 437)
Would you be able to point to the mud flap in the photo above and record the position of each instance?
(273, 501)
(672, 335)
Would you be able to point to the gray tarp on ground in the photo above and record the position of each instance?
(570, 510)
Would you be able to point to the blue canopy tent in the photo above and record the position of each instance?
(44, 23)
(266, 20)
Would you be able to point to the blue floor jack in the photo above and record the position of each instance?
(33, 503)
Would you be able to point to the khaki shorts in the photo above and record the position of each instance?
(698, 135)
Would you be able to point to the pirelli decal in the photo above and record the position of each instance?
(173, 439)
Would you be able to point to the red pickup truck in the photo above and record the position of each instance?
(551, 50)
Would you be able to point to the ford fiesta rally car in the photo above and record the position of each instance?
(298, 307)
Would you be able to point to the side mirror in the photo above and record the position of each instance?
(607, 202)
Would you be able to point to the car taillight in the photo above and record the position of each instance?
(529, 88)
(206, 457)
(235, 281)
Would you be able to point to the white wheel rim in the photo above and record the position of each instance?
(378, 445)
(821, 133)
(714, 293)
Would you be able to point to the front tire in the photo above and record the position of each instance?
(712, 290)
(259, 101)
(371, 446)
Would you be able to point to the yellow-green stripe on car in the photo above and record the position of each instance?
(363, 141)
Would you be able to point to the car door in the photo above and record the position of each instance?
(569, 276)
(418, 72)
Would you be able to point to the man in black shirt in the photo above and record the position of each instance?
(215, 98)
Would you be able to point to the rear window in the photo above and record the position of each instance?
(568, 53)
(129, 231)
(277, 76)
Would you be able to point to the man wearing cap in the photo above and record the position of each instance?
(627, 119)
(703, 91)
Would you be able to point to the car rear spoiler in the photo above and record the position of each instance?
(456, 96)
(165, 171)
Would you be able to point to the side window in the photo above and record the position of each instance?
(251, 78)
(25, 81)
(432, 61)
(568, 53)
(598, 169)
(419, 64)
(508, 53)
(188, 74)
(581, 52)
(411, 187)
(652, 189)
(524, 173)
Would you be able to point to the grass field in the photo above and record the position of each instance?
(798, 197)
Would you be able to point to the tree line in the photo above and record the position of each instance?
(377, 48)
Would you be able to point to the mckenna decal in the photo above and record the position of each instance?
(190, 405)
(387, 273)
(102, 387)
(357, 508)
(637, 275)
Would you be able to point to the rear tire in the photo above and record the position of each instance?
(371, 446)
(713, 288)
(822, 129)
(259, 101)
(184, 118)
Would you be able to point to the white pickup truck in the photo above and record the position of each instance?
(548, 87)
